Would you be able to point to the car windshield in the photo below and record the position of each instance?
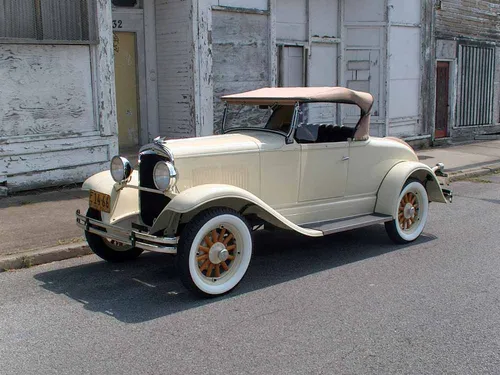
(276, 118)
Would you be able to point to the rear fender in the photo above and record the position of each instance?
(190, 202)
(395, 179)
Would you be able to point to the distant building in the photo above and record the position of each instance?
(467, 77)
(84, 80)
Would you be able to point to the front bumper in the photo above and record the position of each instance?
(141, 240)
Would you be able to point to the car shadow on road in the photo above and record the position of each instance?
(148, 288)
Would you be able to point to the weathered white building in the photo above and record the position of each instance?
(82, 80)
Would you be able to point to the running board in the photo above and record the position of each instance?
(341, 225)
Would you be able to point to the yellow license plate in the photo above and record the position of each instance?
(100, 201)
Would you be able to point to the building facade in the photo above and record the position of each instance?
(90, 78)
(467, 76)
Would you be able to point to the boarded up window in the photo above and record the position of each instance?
(48, 21)
(292, 66)
(476, 74)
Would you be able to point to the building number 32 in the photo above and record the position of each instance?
(117, 24)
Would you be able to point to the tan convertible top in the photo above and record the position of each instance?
(291, 95)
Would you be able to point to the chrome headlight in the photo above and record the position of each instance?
(120, 168)
(164, 175)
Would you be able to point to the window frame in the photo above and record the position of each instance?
(92, 24)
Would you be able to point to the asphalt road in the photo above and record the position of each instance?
(352, 303)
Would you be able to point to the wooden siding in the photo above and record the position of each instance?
(175, 68)
(240, 55)
(468, 18)
(57, 110)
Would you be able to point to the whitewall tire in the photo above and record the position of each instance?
(214, 252)
(410, 214)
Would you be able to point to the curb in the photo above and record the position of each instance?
(37, 257)
(475, 172)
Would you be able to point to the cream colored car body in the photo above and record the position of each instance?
(288, 185)
(199, 198)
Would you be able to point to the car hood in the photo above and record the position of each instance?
(214, 145)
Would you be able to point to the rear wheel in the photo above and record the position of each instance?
(214, 252)
(108, 249)
(411, 213)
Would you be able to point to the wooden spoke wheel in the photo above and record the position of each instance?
(217, 253)
(411, 213)
(214, 251)
(408, 211)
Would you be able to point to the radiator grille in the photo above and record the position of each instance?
(476, 74)
(151, 204)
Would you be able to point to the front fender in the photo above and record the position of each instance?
(101, 182)
(198, 198)
(124, 202)
(389, 190)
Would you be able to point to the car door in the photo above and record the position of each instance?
(323, 170)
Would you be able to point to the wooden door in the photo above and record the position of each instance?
(442, 98)
(127, 97)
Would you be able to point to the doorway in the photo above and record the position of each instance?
(127, 97)
(442, 99)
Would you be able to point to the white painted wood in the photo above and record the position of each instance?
(174, 36)
(250, 4)
(153, 124)
(496, 87)
(291, 20)
(105, 84)
(405, 11)
(324, 17)
(240, 53)
(273, 49)
(323, 65)
(22, 164)
(45, 89)
(404, 68)
(293, 66)
(202, 67)
(364, 36)
(404, 72)
(54, 177)
(364, 10)
(45, 144)
(356, 78)
(446, 49)
(68, 128)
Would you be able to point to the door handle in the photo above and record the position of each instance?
(345, 158)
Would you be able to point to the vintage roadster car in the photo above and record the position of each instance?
(281, 162)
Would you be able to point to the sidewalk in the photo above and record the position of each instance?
(39, 227)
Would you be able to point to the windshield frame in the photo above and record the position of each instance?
(288, 136)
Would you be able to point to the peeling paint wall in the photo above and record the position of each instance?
(365, 44)
(240, 55)
(175, 68)
(57, 110)
(405, 61)
(45, 90)
(242, 45)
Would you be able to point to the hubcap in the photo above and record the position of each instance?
(216, 253)
(408, 212)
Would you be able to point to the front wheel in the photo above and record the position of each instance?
(214, 252)
(411, 213)
(108, 249)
